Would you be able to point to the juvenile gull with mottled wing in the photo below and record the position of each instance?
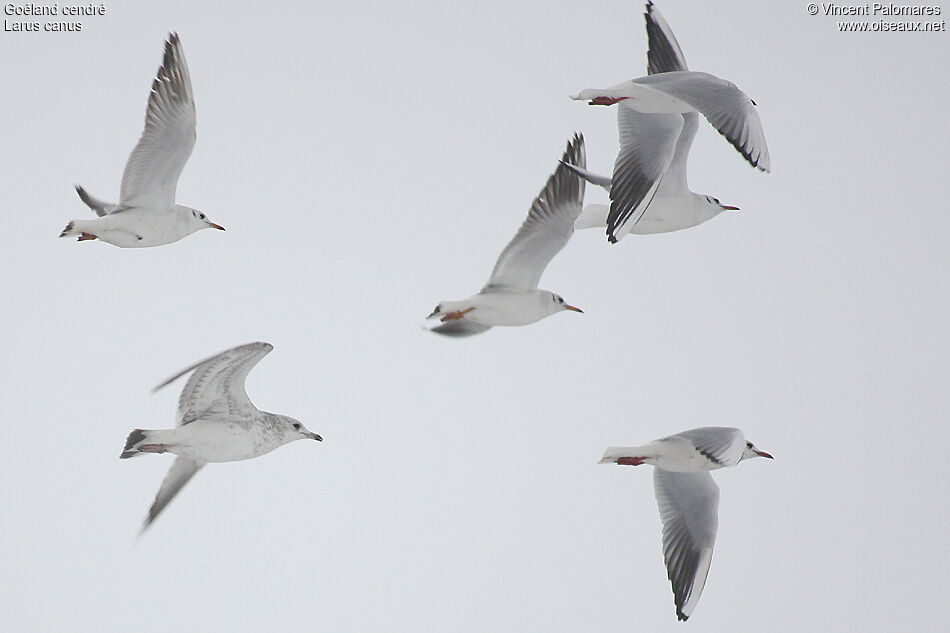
(216, 422)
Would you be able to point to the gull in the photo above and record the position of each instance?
(657, 120)
(688, 499)
(146, 214)
(216, 422)
(511, 296)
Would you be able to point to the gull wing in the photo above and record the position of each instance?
(178, 475)
(727, 108)
(460, 328)
(720, 444)
(548, 227)
(217, 385)
(647, 145)
(151, 173)
(664, 54)
(689, 504)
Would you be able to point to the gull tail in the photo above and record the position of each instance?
(136, 438)
(70, 230)
(612, 454)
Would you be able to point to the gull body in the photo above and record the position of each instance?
(511, 296)
(146, 214)
(217, 422)
(688, 499)
(657, 120)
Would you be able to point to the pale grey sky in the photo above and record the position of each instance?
(370, 159)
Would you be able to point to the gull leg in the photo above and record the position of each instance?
(153, 448)
(458, 314)
(605, 101)
(86, 236)
(624, 461)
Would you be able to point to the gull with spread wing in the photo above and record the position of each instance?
(657, 120)
(688, 499)
(511, 296)
(146, 214)
(217, 422)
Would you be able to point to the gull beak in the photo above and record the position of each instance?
(215, 226)
(314, 436)
(567, 306)
(763, 454)
(728, 208)
(434, 313)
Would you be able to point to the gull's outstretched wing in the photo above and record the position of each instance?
(217, 385)
(460, 328)
(151, 173)
(647, 144)
(548, 227)
(178, 475)
(689, 504)
(664, 54)
(720, 444)
(727, 108)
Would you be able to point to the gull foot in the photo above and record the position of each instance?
(623, 461)
(153, 448)
(458, 314)
(86, 236)
(605, 101)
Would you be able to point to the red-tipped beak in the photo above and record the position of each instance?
(215, 226)
(573, 308)
(763, 454)
(728, 208)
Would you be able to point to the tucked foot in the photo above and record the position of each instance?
(623, 461)
(605, 101)
(86, 236)
(458, 314)
(153, 448)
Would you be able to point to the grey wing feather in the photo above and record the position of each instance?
(647, 144)
(100, 207)
(727, 108)
(182, 470)
(721, 444)
(592, 178)
(548, 227)
(217, 384)
(689, 504)
(460, 328)
(151, 173)
(664, 54)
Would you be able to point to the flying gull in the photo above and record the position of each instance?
(657, 120)
(688, 499)
(146, 214)
(511, 296)
(216, 422)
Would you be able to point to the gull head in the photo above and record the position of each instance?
(197, 220)
(560, 304)
(718, 206)
(294, 430)
(751, 451)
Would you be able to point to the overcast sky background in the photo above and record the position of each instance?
(371, 159)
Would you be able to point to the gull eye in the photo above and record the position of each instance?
(560, 299)
(202, 216)
(297, 425)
